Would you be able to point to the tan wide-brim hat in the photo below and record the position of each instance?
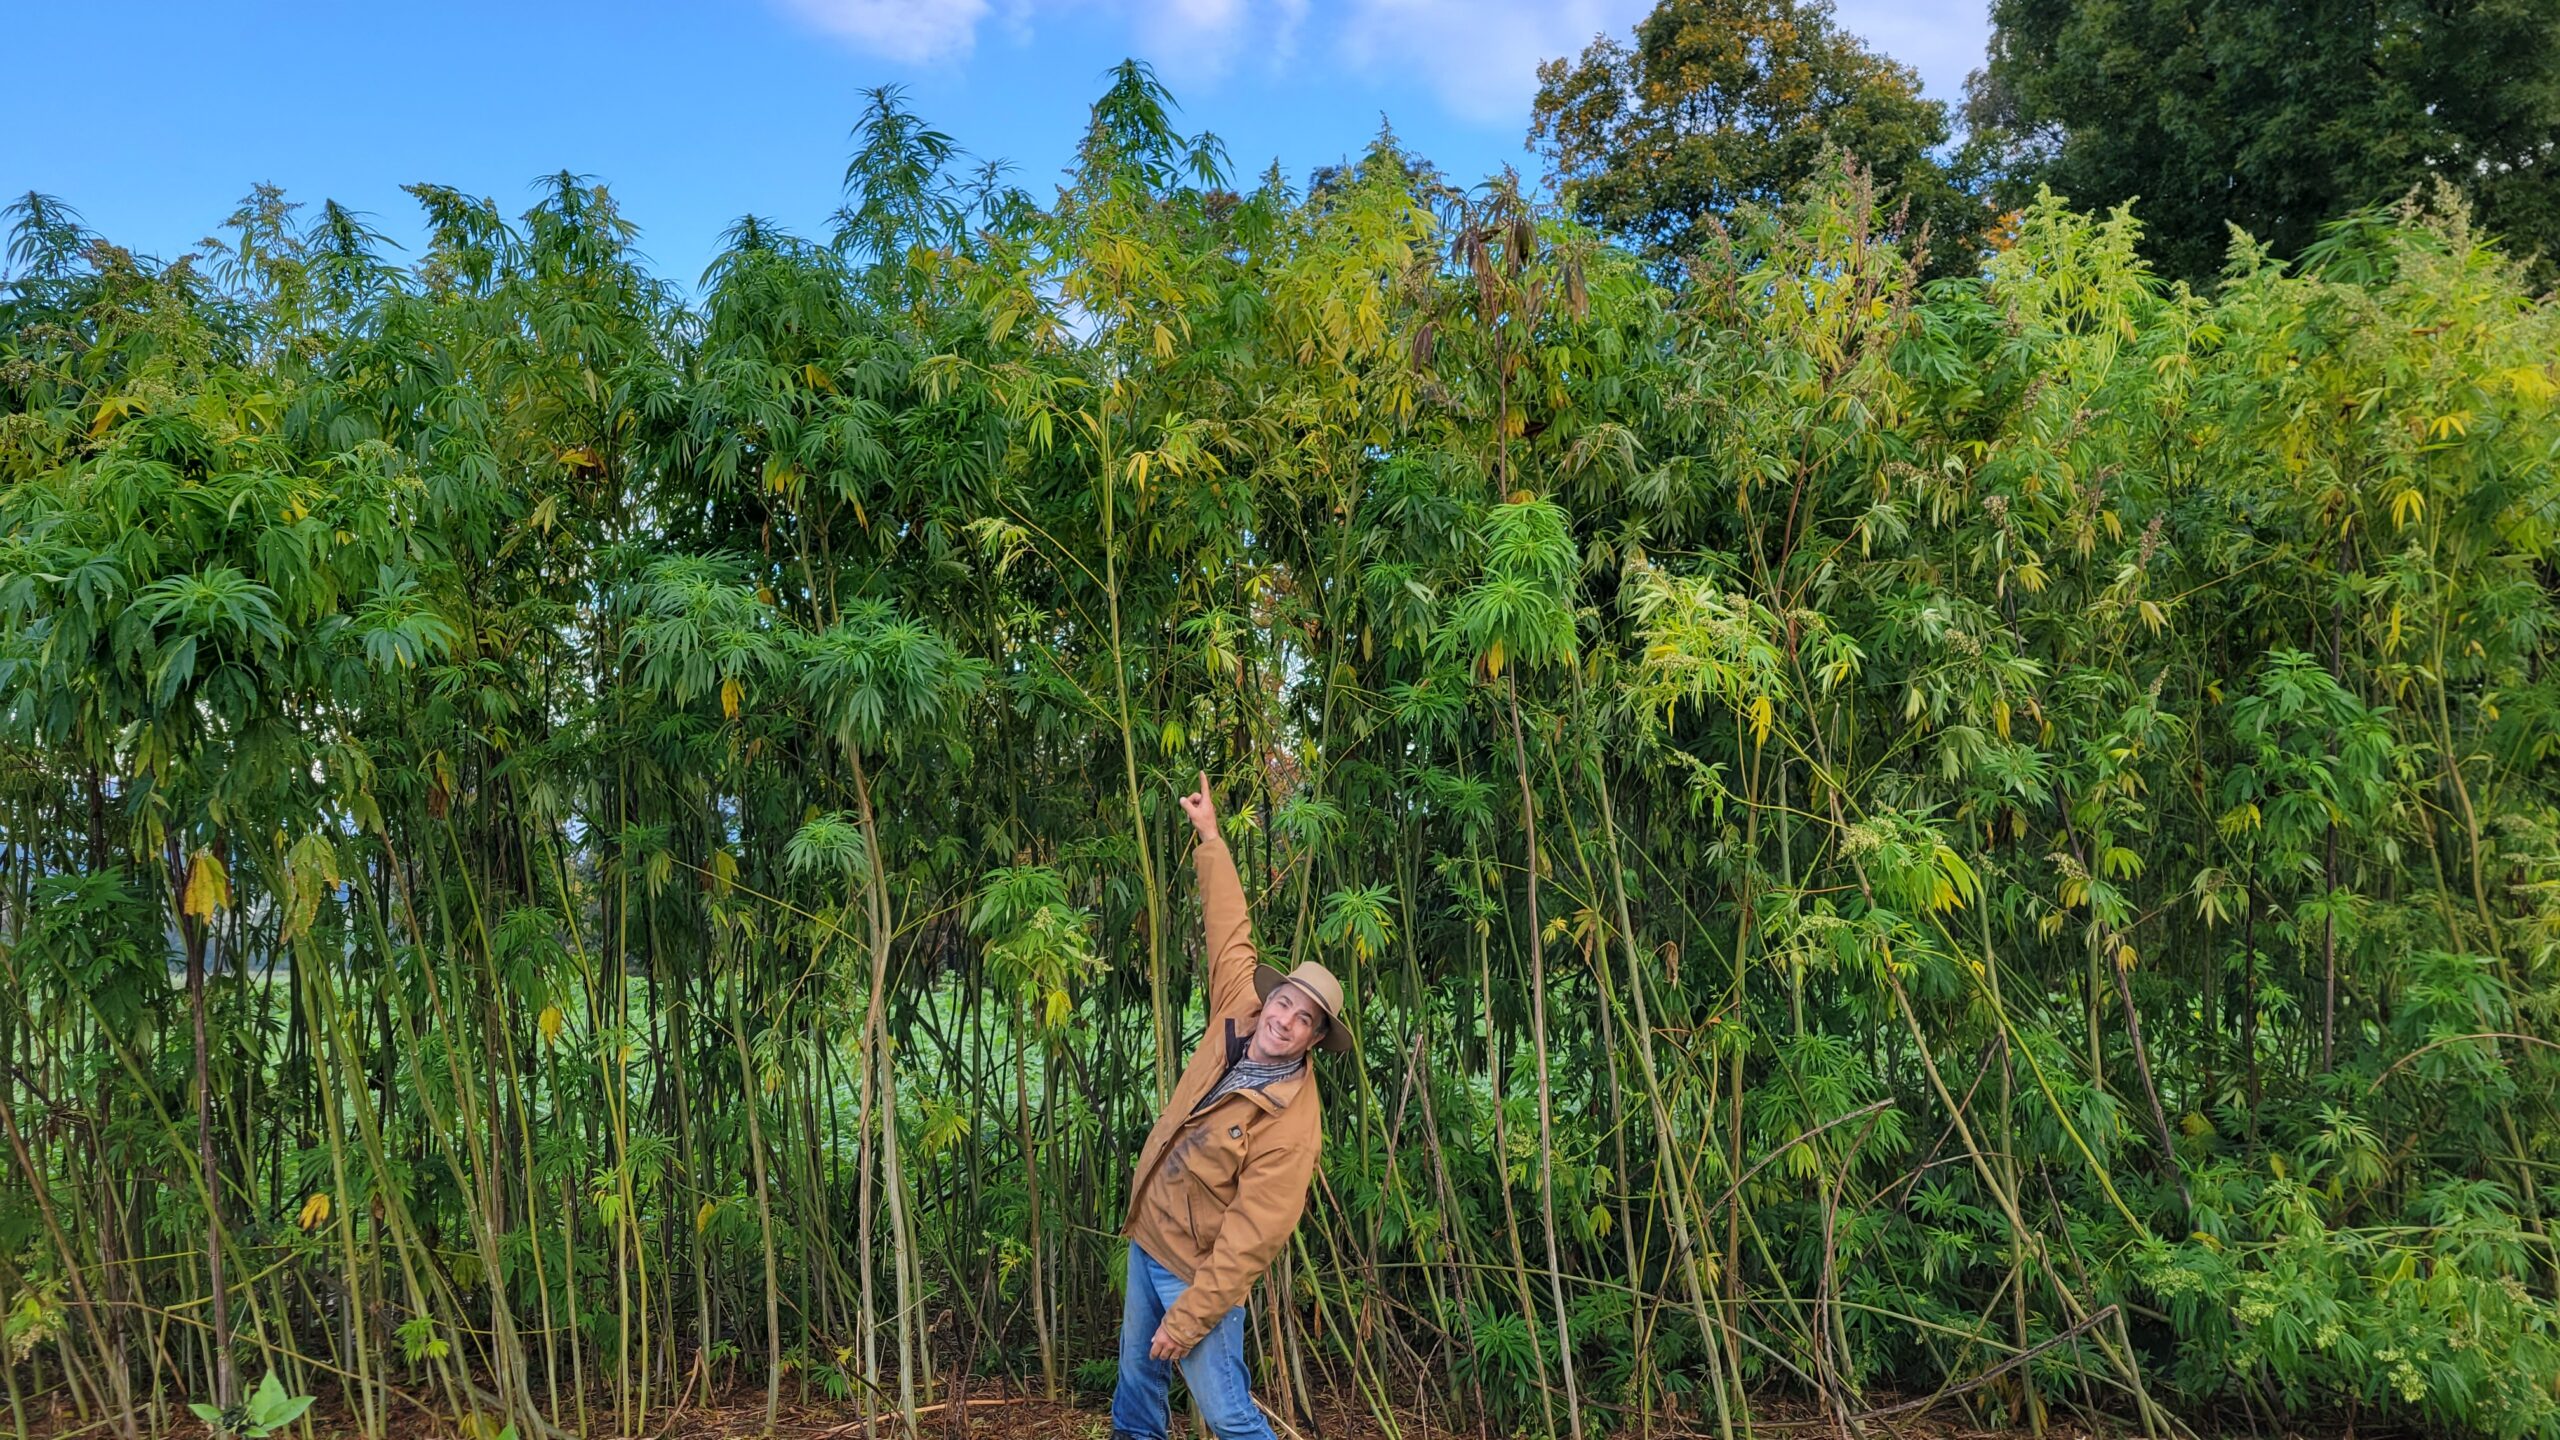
(1318, 982)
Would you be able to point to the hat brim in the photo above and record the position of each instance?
(1337, 1032)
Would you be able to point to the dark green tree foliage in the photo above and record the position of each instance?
(567, 849)
(2277, 117)
(1725, 103)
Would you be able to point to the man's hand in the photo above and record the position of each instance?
(1164, 1347)
(1204, 814)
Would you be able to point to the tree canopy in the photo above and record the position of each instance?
(1725, 103)
(2277, 117)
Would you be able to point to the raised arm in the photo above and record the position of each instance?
(1228, 925)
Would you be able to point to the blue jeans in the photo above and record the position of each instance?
(1221, 1389)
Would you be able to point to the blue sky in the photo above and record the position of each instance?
(697, 113)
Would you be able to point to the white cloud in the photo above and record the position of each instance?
(1479, 57)
(1194, 39)
(1290, 14)
(1942, 39)
(1196, 33)
(912, 32)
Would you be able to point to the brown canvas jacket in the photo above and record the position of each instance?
(1216, 1193)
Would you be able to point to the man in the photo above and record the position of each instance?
(1224, 1174)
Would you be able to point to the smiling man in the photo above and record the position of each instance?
(1224, 1174)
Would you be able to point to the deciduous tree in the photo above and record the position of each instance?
(1724, 103)
(2276, 116)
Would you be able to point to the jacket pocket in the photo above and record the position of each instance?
(1221, 1154)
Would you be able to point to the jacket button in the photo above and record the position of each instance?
(1235, 1132)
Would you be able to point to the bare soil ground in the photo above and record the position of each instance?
(994, 1412)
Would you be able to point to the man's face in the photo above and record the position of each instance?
(1289, 1024)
